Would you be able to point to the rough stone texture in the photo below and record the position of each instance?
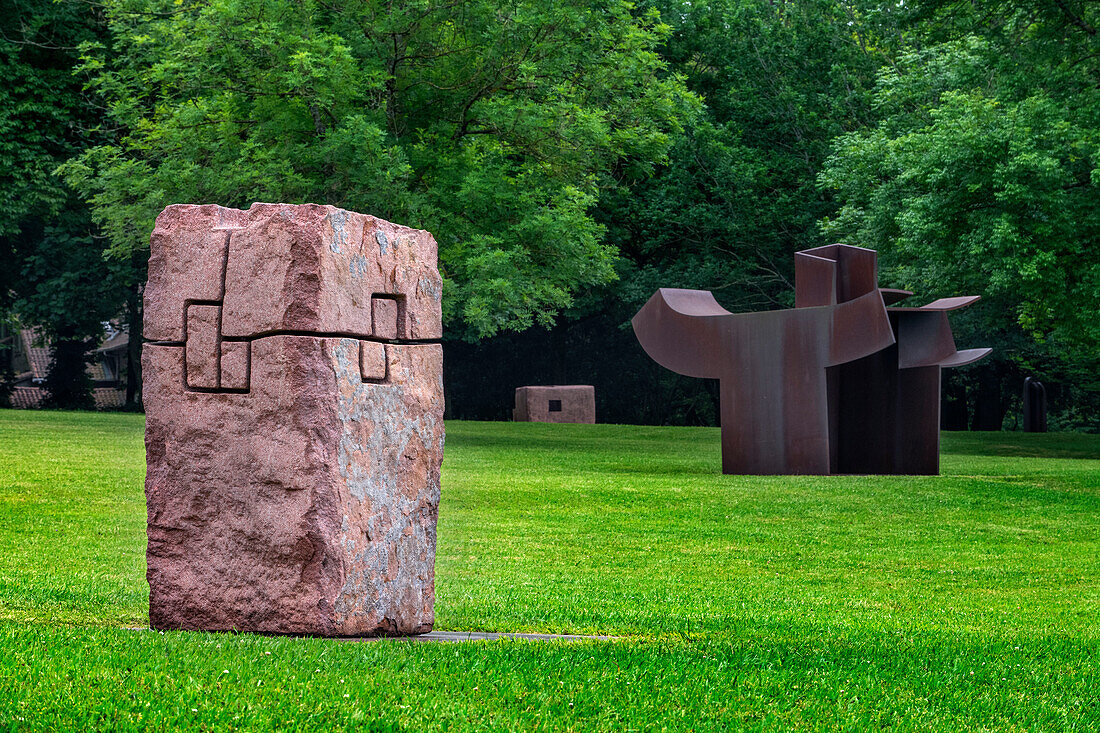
(386, 318)
(298, 493)
(202, 349)
(235, 364)
(372, 361)
(187, 246)
(574, 403)
(322, 268)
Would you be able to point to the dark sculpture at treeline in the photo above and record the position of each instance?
(1035, 406)
(841, 383)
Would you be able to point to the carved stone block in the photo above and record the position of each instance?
(574, 403)
(293, 453)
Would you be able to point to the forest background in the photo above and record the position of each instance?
(571, 157)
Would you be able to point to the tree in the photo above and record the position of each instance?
(52, 273)
(981, 177)
(737, 197)
(967, 189)
(493, 124)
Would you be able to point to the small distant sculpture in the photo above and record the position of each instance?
(294, 433)
(574, 403)
(841, 383)
(1035, 406)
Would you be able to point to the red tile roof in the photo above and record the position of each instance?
(107, 398)
(26, 398)
(38, 356)
(119, 341)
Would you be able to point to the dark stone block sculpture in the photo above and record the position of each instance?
(1035, 406)
(841, 383)
(573, 403)
(294, 421)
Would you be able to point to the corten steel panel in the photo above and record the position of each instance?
(815, 280)
(837, 384)
(924, 337)
(574, 403)
(966, 356)
(950, 304)
(771, 368)
(864, 403)
(889, 417)
(894, 295)
(917, 451)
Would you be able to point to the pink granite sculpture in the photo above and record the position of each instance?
(294, 429)
(556, 403)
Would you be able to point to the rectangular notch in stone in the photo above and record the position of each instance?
(236, 362)
(372, 361)
(201, 351)
(555, 406)
(387, 312)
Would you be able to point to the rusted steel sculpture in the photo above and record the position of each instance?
(841, 383)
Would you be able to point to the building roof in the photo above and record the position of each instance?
(25, 398)
(107, 398)
(39, 356)
(117, 341)
(29, 398)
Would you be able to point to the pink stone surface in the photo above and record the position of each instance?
(188, 246)
(372, 360)
(322, 267)
(235, 364)
(202, 350)
(297, 496)
(386, 319)
(576, 403)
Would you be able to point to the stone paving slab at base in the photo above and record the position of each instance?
(453, 636)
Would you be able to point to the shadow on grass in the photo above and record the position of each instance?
(1022, 445)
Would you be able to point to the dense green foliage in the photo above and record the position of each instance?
(52, 272)
(738, 197)
(779, 81)
(40, 109)
(968, 601)
(981, 175)
(976, 179)
(492, 124)
(958, 139)
(572, 157)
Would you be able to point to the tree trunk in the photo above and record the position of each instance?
(989, 409)
(133, 349)
(68, 385)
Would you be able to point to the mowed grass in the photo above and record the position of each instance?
(967, 601)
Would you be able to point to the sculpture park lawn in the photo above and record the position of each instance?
(968, 601)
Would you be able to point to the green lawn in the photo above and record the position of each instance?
(969, 601)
